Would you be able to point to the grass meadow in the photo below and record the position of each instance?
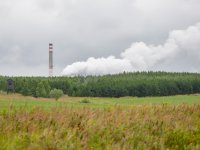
(19, 101)
(75, 123)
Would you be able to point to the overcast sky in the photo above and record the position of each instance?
(99, 36)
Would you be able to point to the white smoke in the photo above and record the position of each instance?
(180, 52)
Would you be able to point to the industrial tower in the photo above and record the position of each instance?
(50, 59)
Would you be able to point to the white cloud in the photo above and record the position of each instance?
(180, 52)
(83, 28)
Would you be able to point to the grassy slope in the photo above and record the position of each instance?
(22, 101)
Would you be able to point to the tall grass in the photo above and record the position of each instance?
(138, 127)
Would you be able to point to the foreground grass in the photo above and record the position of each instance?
(99, 123)
(160, 126)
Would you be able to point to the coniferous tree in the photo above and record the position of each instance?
(40, 90)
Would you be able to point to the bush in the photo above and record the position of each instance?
(56, 93)
(85, 101)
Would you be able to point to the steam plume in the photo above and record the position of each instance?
(180, 52)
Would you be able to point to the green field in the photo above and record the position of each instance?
(28, 102)
(77, 123)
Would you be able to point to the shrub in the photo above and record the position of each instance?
(84, 101)
(56, 93)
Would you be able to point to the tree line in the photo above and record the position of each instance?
(138, 84)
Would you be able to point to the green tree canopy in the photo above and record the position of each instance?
(40, 90)
(56, 93)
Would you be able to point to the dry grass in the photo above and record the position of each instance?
(114, 126)
(138, 127)
(4, 96)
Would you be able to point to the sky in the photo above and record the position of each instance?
(99, 37)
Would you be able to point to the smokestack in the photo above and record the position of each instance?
(50, 59)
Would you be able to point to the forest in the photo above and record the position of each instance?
(139, 84)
